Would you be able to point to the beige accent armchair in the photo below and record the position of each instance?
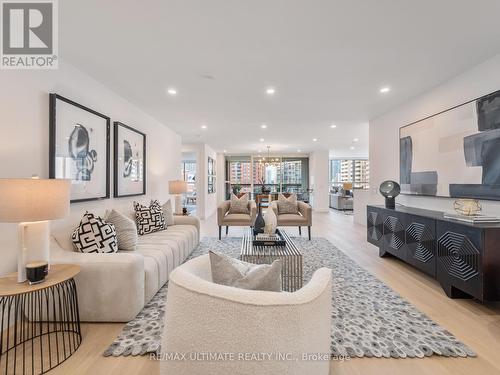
(235, 220)
(241, 322)
(302, 219)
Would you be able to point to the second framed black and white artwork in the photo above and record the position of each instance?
(129, 161)
(211, 175)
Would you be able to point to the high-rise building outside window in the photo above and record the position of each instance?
(355, 171)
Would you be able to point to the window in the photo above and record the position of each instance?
(295, 175)
(188, 170)
(355, 171)
(266, 174)
(273, 173)
(239, 171)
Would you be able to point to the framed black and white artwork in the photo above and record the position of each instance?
(454, 153)
(211, 175)
(129, 161)
(79, 148)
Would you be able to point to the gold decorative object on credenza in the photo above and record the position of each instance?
(467, 207)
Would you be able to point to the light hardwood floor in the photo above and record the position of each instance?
(477, 325)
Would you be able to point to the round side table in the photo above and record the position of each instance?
(39, 324)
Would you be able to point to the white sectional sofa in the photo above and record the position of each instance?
(115, 287)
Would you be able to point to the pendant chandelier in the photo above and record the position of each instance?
(268, 160)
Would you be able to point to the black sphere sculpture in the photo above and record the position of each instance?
(390, 190)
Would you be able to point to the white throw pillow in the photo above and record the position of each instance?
(233, 272)
(239, 205)
(287, 205)
(94, 235)
(126, 230)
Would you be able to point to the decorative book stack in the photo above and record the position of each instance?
(266, 239)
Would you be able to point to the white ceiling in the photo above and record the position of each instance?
(327, 60)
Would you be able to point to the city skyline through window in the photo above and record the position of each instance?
(275, 174)
(355, 171)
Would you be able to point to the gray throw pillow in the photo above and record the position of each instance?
(126, 231)
(233, 272)
(239, 205)
(287, 205)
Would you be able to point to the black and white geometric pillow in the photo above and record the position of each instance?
(94, 235)
(149, 219)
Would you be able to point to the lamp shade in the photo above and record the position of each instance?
(33, 199)
(177, 187)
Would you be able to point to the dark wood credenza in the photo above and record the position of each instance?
(464, 258)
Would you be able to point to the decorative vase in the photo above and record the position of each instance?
(259, 225)
(271, 222)
(467, 207)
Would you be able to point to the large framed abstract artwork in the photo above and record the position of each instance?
(79, 148)
(455, 153)
(129, 161)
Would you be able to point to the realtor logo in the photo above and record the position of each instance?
(29, 34)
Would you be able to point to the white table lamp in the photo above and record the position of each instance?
(177, 188)
(31, 203)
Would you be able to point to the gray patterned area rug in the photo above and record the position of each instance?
(369, 319)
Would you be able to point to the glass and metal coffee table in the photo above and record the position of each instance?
(292, 272)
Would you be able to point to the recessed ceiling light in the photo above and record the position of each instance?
(385, 89)
(225, 151)
(263, 126)
(270, 91)
(262, 139)
(260, 151)
(355, 140)
(352, 147)
(333, 126)
(203, 126)
(171, 91)
(299, 150)
(315, 139)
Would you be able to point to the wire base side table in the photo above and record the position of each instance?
(292, 271)
(39, 324)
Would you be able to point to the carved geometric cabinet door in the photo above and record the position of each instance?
(458, 256)
(374, 226)
(394, 236)
(421, 244)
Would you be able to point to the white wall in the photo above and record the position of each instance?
(319, 179)
(384, 131)
(24, 145)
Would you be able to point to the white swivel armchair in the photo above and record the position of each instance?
(206, 318)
